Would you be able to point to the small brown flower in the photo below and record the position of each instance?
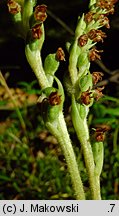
(54, 99)
(40, 13)
(13, 7)
(86, 97)
(98, 93)
(94, 54)
(36, 31)
(89, 17)
(100, 136)
(97, 76)
(60, 55)
(100, 132)
(107, 4)
(104, 20)
(96, 35)
(83, 39)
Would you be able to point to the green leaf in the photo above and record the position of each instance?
(80, 27)
(5, 178)
(83, 59)
(50, 66)
(98, 152)
(86, 82)
(82, 110)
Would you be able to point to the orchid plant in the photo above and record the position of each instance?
(80, 83)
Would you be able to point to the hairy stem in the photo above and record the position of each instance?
(62, 136)
(59, 129)
(34, 59)
(82, 132)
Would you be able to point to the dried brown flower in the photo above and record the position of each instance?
(36, 31)
(60, 55)
(100, 136)
(54, 99)
(13, 7)
(40, 13)
(83, 39)
(107, 4)
(86, 97)
(104, 20)
(96, 35)
(98, 93)
(97, 76)
(94, 54)
(89, 17)
(100, 132)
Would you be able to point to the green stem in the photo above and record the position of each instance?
(60, 132)
(63, 138)
(26, 14)
(97, 186)
(73, 62)
(98, 152)
(34, 59)
(82, 132)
